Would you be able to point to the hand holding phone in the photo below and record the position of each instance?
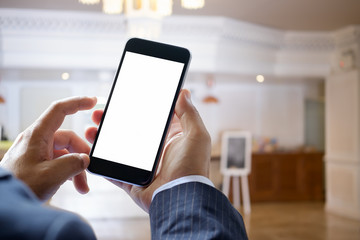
(136, 119)
(187, 150)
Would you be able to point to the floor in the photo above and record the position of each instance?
(267, 221)
(277, 221)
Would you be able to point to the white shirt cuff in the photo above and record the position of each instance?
(182, 180)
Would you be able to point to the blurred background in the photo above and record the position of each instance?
(285, 71)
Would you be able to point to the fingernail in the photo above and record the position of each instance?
(86, 190)
(95, 99)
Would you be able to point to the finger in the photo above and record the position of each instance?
(90, 134)
(97, 115)
(54, 116)
(190, 119)
(175, 127)
(80, 183)
(59, 153)
(67, 166)
(66, 139)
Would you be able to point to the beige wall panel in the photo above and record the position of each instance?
(343, 144)
(343, 192)
(342, 116)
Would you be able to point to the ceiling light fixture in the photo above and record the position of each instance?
(89, 2)
(152, 8)
(260, 78)
(192, 4)
(112, 6)
(65, 76)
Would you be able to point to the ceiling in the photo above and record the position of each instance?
(313, 15)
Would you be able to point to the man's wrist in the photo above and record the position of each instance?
(182, 180)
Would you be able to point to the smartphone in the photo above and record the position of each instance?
(138, 113)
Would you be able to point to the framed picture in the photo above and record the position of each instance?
(236, 153)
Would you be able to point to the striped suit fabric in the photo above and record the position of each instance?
(194, 211)
(23, 216)
(187, 211)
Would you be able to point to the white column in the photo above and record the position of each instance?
(342, 144)
(342, 158)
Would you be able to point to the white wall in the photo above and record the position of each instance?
(267, 110)
(274, 110)
(27, 99)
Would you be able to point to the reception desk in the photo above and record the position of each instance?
(281, 176)
(287, 177)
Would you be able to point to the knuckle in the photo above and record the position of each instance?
(46, 171)
(66, 106)
(67, 132)
(75, 162)
(59, 106)
(56, 105)
(78, 162)
(32, 134)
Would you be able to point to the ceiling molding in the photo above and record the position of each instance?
(347, 36)
(229, 29)
(54, 21)
(95, 41)
(308, 41)
(326, 15)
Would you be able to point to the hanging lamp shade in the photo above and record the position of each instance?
(113, 6)
(210, 99)
(159, 8)
(192, 4)
(164, 7)
(89, 2)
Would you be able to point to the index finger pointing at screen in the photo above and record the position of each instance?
(54, 116)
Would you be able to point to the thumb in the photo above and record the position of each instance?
(68, 166)
(190, 119)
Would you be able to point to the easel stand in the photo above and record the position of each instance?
(236, 190)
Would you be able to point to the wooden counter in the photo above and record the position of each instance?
(287, 177)
(281, 176)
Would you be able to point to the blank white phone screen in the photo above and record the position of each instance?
(138, 110)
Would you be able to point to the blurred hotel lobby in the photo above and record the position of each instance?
(285, 72)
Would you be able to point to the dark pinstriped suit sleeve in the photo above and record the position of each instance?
(23, 216)
(194, 211)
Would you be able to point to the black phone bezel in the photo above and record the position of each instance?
(121, 172)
